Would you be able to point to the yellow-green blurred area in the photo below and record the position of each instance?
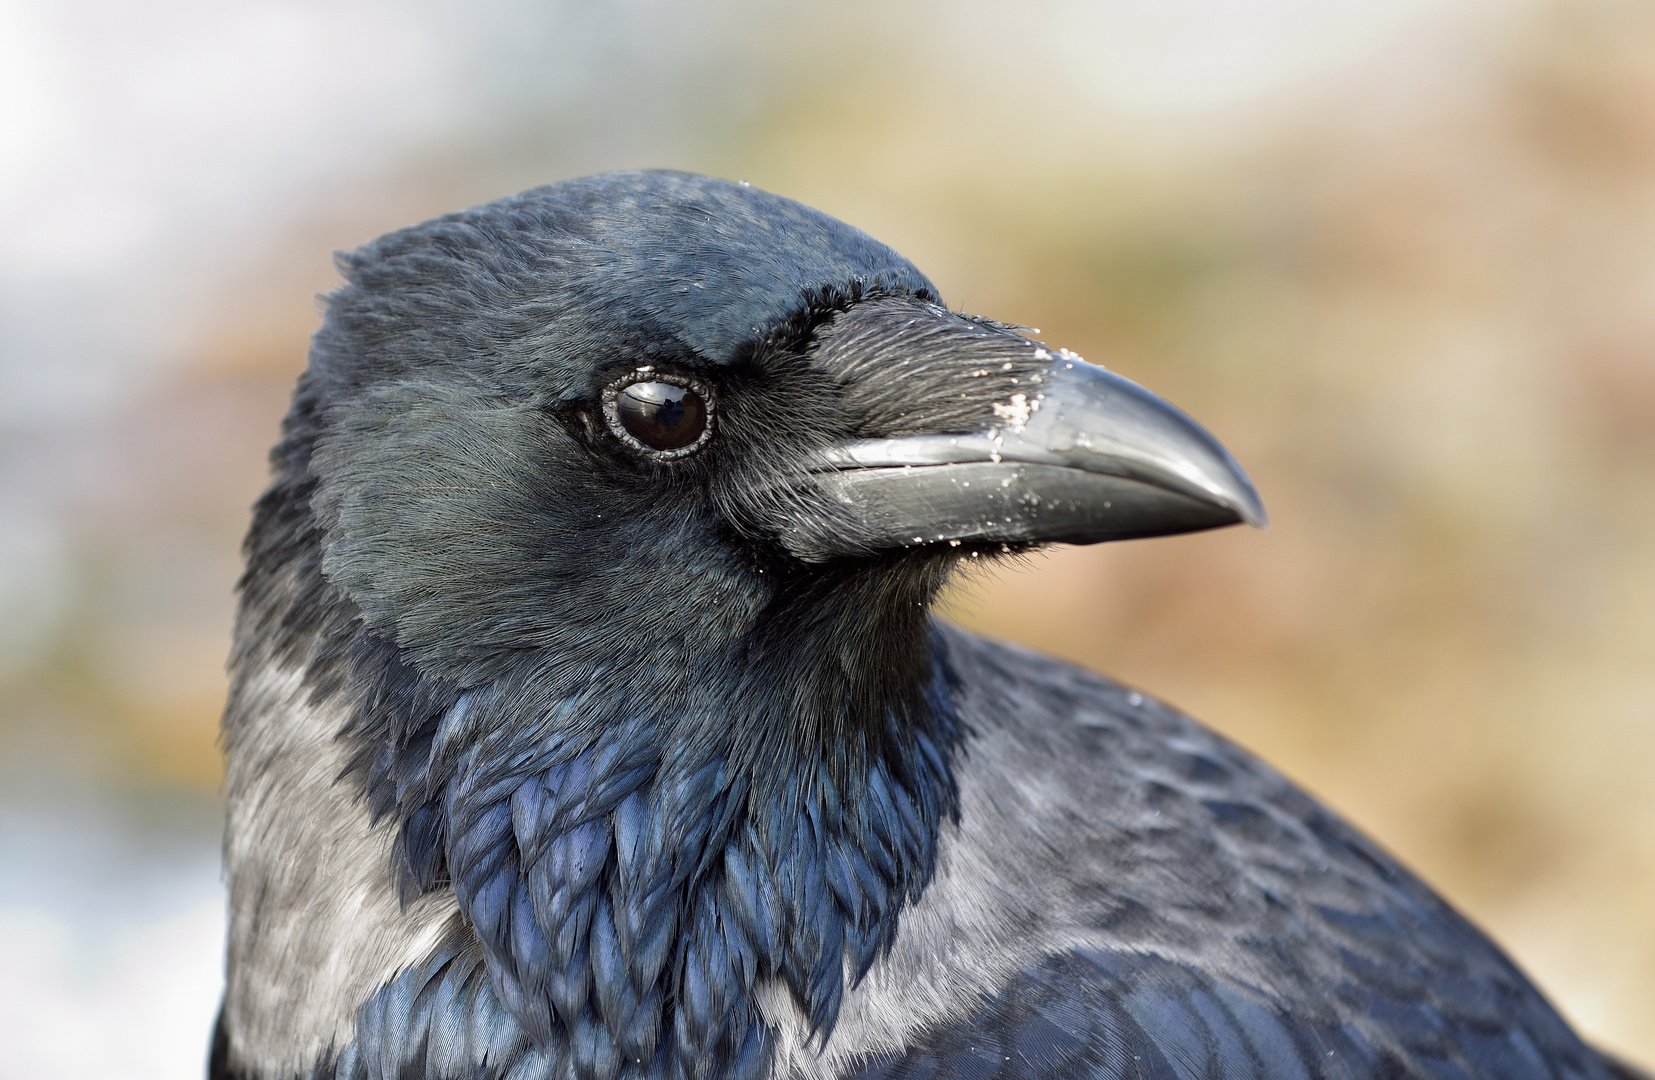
(1398, 256)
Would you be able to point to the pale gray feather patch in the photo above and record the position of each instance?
(316, 925)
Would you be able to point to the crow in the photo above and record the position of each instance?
(589, 719)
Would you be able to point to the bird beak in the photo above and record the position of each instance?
(1081, 457)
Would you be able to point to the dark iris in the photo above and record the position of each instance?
(661, 415)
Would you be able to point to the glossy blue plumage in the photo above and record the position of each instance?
(607, 876)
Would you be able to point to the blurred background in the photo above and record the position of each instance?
(1398, 254)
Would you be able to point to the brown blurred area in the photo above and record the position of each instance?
(1414, 295)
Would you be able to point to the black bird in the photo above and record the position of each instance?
(589, 719)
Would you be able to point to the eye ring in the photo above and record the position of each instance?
(612, 411)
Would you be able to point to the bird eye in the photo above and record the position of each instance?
(664, 419)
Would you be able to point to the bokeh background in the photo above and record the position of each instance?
(1398, 254)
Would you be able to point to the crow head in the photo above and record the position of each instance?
(613, 512)
(631, 415)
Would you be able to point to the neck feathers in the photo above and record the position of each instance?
(632, 883)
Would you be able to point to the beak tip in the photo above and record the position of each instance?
(1227, 484)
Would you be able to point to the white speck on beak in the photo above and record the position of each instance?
(1017, 411)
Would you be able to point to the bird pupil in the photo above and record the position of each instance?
(662, 415)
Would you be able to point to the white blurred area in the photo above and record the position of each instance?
(173, 175)
(113, 939)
